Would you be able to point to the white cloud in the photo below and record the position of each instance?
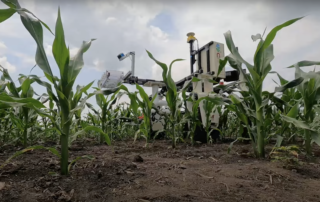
(111, 20)
(48, 50)
(73, 51)
(6, 64)
(3, 48)
(99, 65)
(25, 59)
(159, 34)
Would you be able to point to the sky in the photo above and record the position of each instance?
(160, 27)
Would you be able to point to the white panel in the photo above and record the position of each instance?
(216, 51)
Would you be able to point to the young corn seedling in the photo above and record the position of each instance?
(66, 100)
(254, 82)
(209, 106)
(172, 96)
(24, 91)
(308, 84)
(105, 105)
(146, 106)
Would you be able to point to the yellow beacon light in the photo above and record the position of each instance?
(191, 37)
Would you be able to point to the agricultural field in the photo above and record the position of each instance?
(267, 148)
(188, 173)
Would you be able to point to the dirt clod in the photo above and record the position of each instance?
(138, 158)
(2, 184)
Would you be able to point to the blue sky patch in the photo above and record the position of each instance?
(164, 21)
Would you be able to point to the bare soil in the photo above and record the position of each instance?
(132, 172)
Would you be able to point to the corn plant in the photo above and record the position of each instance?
(308, 84)
(315, 125)
(171, 95)
(146, 106)
(208, 106)
(105, 105)
(24, 91)
(66, 100)
(191, 115)
(254, 81)
(289, 101)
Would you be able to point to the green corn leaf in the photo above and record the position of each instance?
(18, 153)
(27, 11)
(294, 111)
(315, 137)
(83, 89)
(238, 139)
(233, 50)
(30, 102)
(272, 34)
(79, 93)
(47, 85)
(52, 118)
(99, 100)
(12, 3)
(305, 63)
(11, 86)
(143, 94)
(105, 91)
(195, 79)
(170, 81)
(77, 159)
(279, 141)
(267, 59)
(259, 58)
(162, 65)
(290, 84)
(76, 63)
(90, 106)
(6, 105)
(282, 80)
(90, 128)
(60, 50)
(25, 87)
(35, 29)
(222, 64)
(6, 14)
(295, 122)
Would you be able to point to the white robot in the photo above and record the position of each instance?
(207, 66)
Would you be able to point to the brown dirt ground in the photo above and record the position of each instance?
(200, 173)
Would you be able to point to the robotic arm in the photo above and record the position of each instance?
(122, 56)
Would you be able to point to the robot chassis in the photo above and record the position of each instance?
(207, 58)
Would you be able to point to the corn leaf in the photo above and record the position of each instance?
(90, 128)
(290, 84)
(294, 111)
(60, 50)
(27, 11)
(30, 102)
(295, 122)
(78, 158)
(6, 14)
(315, 137)
(35, 29)
(162, 65)
(18, 153)
(222, 64)
(76, 63)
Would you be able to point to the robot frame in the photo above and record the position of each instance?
(208, 60)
